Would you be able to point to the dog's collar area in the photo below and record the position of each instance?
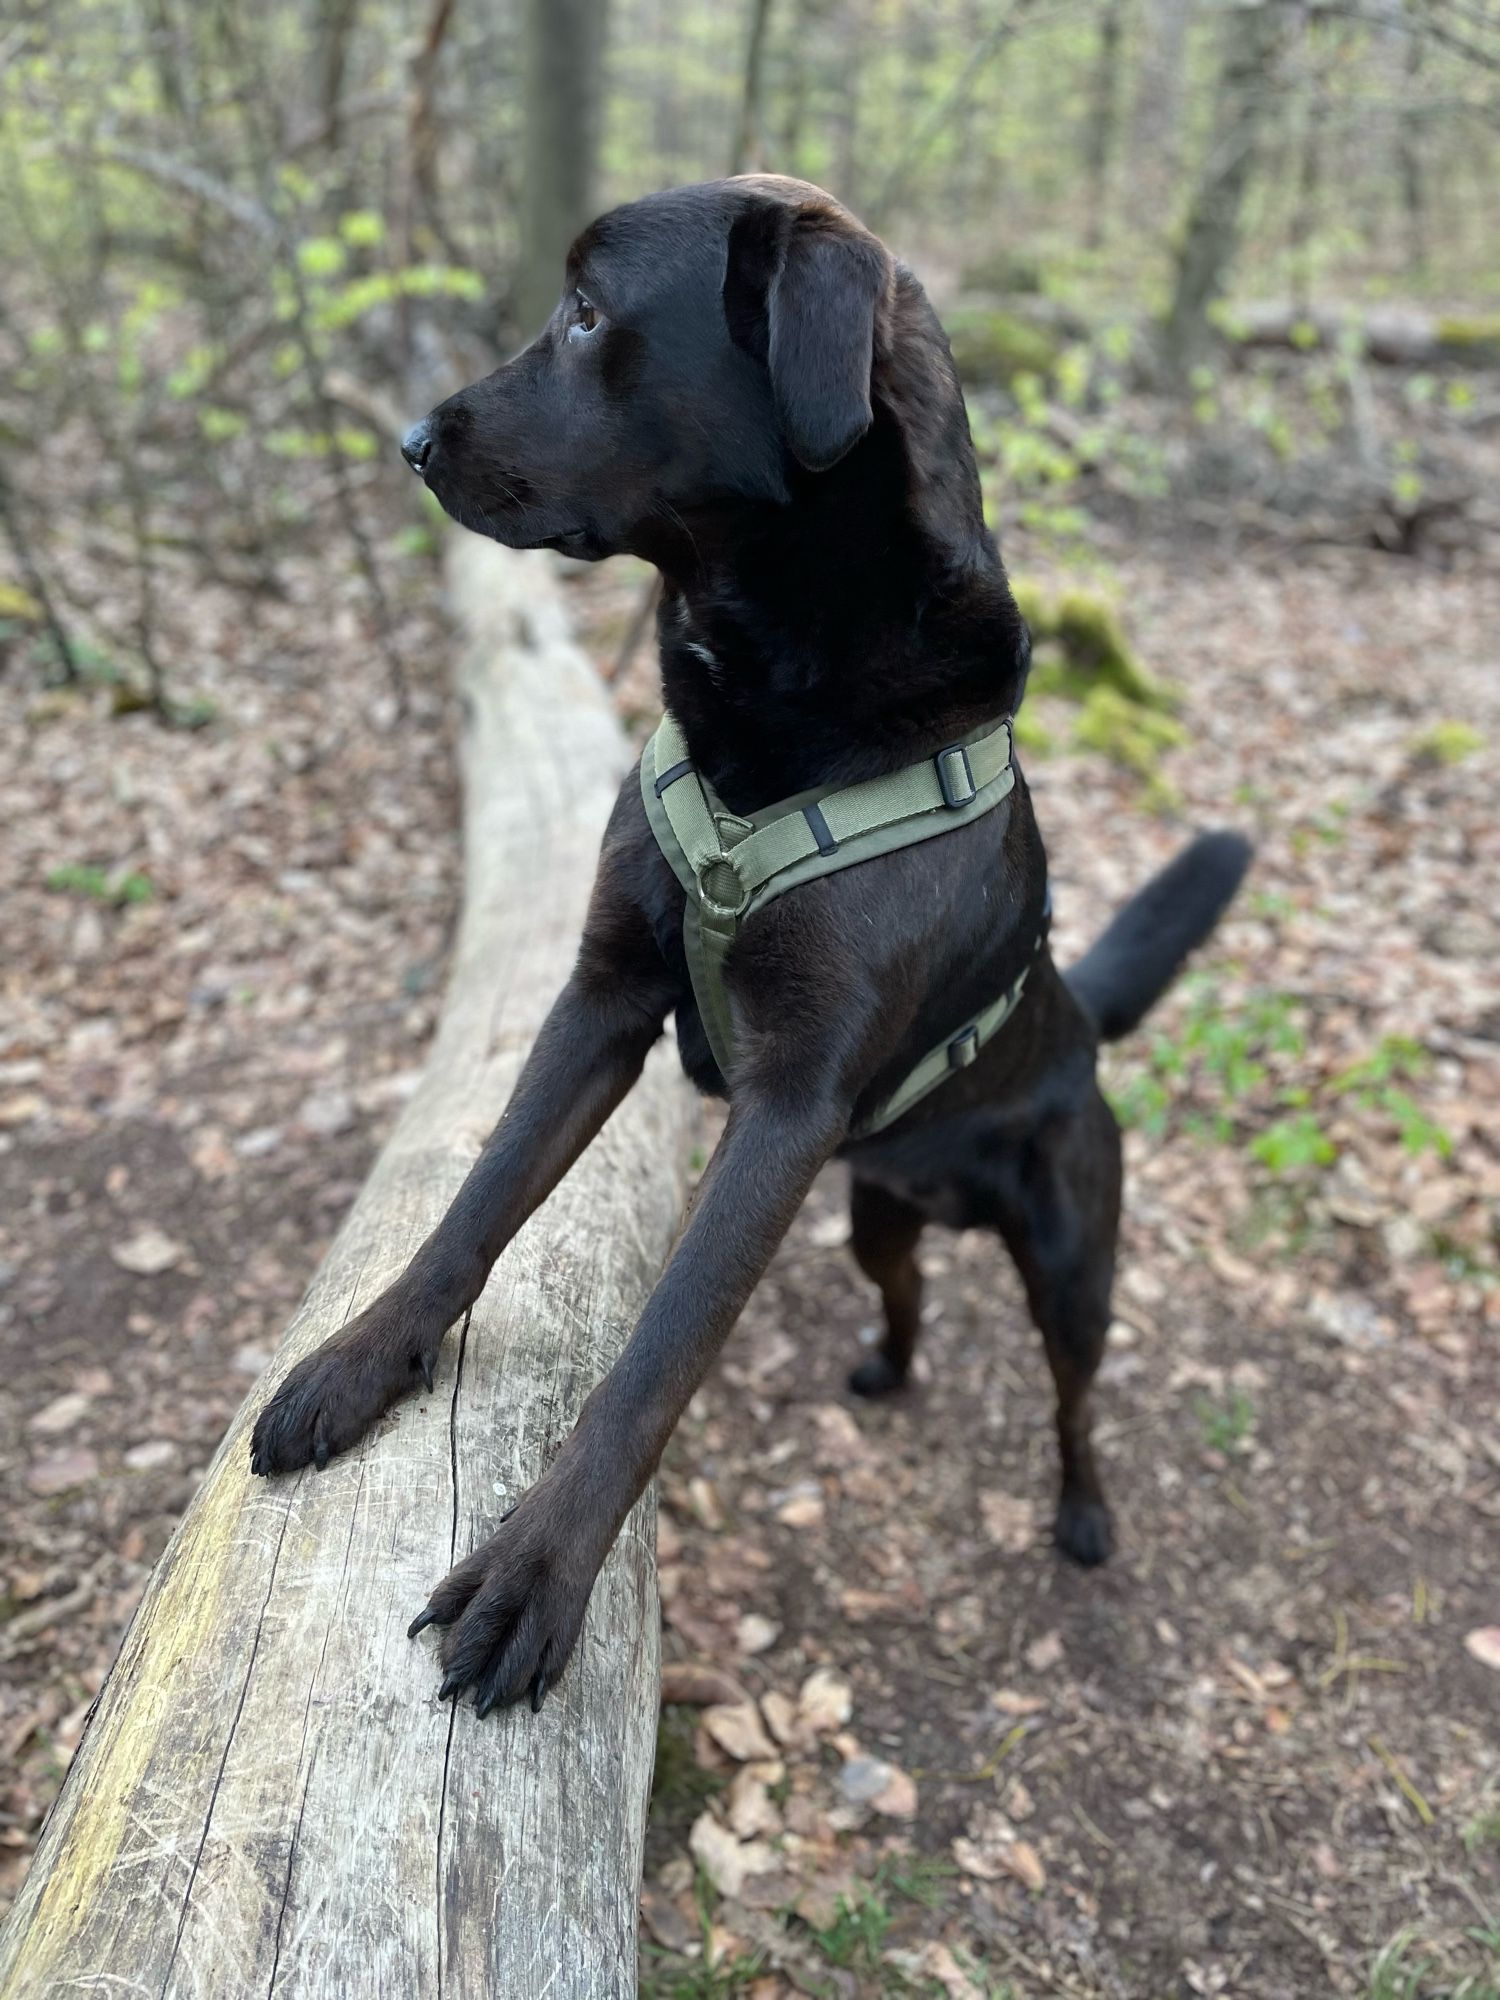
(730, 865)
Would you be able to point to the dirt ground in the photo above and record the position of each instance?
(1259, 1754)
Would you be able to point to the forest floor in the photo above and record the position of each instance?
(1257, 1751)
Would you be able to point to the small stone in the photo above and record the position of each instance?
(62, 1471)
(151, 1456)
(60, 1415)
(803, 1510)
(148, 1253)
(255, 1145)
(863, 1779)
(326, 1113)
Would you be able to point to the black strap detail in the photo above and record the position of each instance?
(964, 1049)
(670, 777)
(817, 826)
(955, 776)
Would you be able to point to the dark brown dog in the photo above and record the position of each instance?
(741, 386)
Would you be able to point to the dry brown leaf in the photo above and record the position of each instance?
(1045, 1653)
(750, 1809)
(1009, 1522)
(782, 1720)
(700, 1686)
(825, 1701)
(728, 1862)
(1021, 1859)
(1010, 1702)
(738, 1729)
(756, 1634)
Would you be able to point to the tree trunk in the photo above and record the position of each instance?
(564, 102)
(269, 1798)
(1158, 104)
(747, 143)
(1105, 98)
(1246, 84)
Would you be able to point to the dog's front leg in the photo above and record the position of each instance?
(588, 1054)
(515, 1606)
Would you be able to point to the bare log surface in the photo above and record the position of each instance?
(269, 1798)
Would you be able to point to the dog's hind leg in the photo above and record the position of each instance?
(885, 1230)
(1059, 1217)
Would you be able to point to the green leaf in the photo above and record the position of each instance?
(322, 256)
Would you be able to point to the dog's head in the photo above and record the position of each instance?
(714, 346)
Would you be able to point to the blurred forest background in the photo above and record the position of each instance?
(227, 238)
(1221, 277)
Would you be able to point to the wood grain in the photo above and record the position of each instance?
(269, 1799)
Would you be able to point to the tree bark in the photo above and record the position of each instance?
(1253, 37)
(564, 98)
(747, 148)
(1105, 96)
(269, 1798)
(1156, 116)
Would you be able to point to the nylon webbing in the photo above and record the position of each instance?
(731, 866)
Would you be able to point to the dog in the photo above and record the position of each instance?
(740, 385)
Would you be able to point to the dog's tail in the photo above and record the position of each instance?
(1126, 971)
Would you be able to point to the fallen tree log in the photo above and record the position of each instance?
(1401, 336)
(269, 1798)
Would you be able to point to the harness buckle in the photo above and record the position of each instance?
(964, 1049)
(722, 887)
(955, 776)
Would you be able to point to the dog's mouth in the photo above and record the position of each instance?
(512, 519)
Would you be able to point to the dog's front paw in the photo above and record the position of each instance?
(514, 1608)
(330, 1399)
(1083, 1530)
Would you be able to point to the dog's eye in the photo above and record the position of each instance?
(585, 319)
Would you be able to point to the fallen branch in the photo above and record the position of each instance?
(269, 1797)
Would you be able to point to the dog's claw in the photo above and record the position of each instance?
(452, 1684)
(321, 1452)
(538, 1693)
(424, 1369)
(421, 1622)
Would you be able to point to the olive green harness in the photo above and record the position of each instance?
(732, 865)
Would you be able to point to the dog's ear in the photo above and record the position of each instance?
(821, 314)
(800, 293)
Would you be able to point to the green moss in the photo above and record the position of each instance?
(1083, 656)
(1448, 743)
(1032, 737)
(1004, 270)
(1086, 648)
(1471, 337)
(1130, 735)
(991, 346)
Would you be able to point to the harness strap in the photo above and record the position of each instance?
(731, 866)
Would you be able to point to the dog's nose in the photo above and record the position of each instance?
(416, 446)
